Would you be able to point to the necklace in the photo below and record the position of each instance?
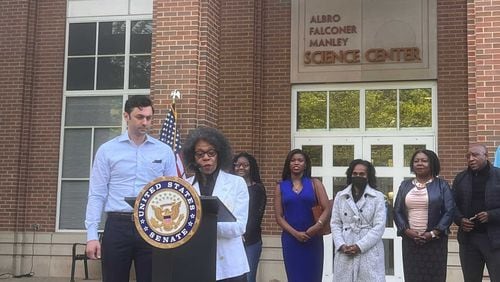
(421, 185)
(297, 189)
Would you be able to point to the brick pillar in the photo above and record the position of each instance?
(17, 64)
(276, 100)
(484, 73)
(453, 131)
(241, 61)
(32, 78)
(185, 56)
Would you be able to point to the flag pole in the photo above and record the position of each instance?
(175, 94)
(169, 134)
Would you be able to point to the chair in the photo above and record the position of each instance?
(75, 255)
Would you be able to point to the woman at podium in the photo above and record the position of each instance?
(208, 154)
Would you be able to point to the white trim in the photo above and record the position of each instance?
(96, 55)
(107, 93)
(89, 19)
(124, 93)
(362, 139)
(108, 8)
(126, 62)
(361, 130)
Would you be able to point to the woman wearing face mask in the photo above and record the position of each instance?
(358, 223)
(423, 212)
(293, 199)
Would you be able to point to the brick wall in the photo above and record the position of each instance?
(240, 67)
(254, 85)
(242, 88)
(14, 55)
(484, 73)
(32, 71)
(231, 62)
(226, 88)
(185, 56)
(231, 74)
(453, 130)
(276, 99)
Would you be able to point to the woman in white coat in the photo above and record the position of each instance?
(358, 223)
(207, 153)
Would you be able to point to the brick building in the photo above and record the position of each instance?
(341, 81)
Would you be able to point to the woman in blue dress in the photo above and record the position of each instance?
(295, 195)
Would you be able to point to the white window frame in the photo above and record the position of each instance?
(307, 136)
(362, 131)
(124, 93)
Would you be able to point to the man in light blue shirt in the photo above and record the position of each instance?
(122, 167)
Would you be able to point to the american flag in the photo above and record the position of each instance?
(170, 136)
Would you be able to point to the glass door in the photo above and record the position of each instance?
(391, 156)
(330, 157)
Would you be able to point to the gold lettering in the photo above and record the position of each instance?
(395, 54)
(373, 55)
(332, 30)
(332, 57)
(328, 42)
(316, 57)
(352, 56)
(417, 54)
(377, 55)
(307, 58)
(325, 19)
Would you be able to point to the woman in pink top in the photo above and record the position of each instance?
(423, 213)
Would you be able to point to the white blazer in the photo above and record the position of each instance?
(231, 257)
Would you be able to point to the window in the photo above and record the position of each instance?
(101, 66)
(343, 104)
(364, 109)
(312, 109)
(106, 62)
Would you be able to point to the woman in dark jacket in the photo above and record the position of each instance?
(423, 213)
(246, 166)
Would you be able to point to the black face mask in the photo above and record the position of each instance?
(360, 184)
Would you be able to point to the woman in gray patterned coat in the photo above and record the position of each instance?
(358, 223)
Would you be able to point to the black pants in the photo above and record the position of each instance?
(475, 254)
(121, 244)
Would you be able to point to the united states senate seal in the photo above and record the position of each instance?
(167, 212)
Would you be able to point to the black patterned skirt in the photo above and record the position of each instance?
(425, 262)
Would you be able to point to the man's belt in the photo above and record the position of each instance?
(121, 215)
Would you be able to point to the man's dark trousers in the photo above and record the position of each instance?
(473, 256)
(121, 244)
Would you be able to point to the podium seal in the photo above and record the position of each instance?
(167, 212)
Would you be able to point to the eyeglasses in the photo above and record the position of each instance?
(200, 154)
(243, 165)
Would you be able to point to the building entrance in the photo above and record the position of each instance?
(390, 155)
